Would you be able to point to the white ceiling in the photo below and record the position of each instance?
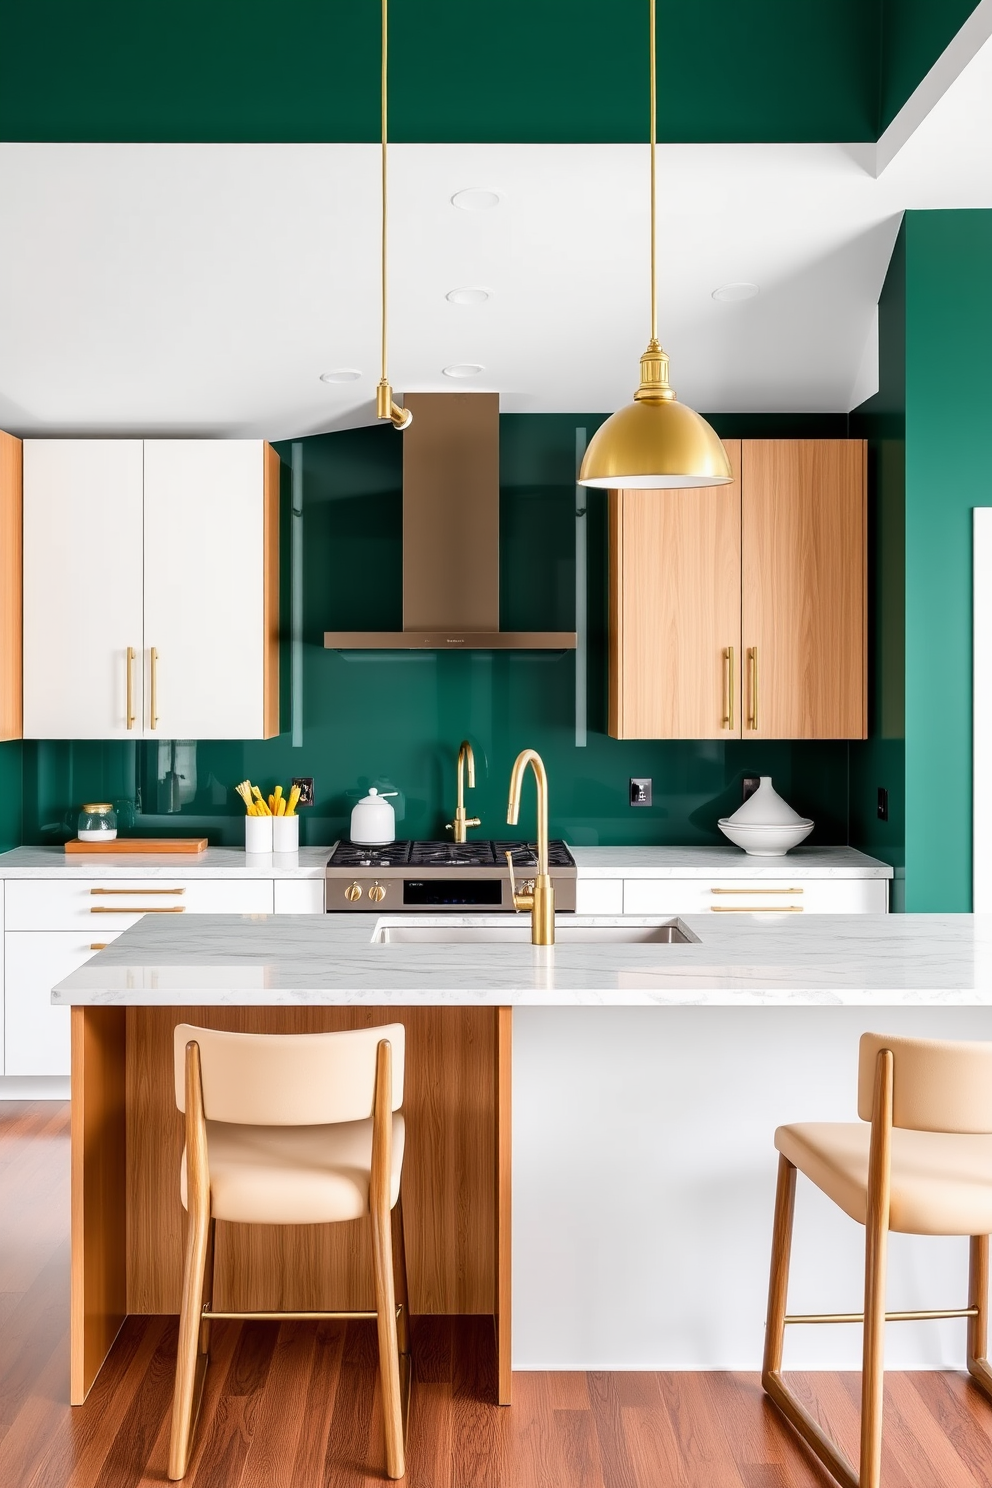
(202, 289)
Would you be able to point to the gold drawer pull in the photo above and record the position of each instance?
(130, 687)
(728, 720)
(755, 891)
(756, 909)
(98, 945)
(137, 909)
(137, 891)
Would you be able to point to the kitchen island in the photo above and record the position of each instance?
(647, 1079)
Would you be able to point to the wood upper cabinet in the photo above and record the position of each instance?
(804, 588)
(10, 587)
(151, 589)
(675, 611)
(740, 610)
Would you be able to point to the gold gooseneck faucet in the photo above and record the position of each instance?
(541, 900)
(461, 821)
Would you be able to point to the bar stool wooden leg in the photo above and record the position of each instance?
(382, 1262)
(876, 1255)
(771, 1370)
(191, 1359)
(402, 1292)
(978, 1327)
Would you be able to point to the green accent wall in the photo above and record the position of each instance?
(11, 823)
(519, 71)
(914, 33)
(395, 719)
(948, 398)
(881, 760)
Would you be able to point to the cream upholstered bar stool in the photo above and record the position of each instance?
(919, 1162)
(292, 1129)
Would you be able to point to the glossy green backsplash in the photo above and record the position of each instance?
(395, 719)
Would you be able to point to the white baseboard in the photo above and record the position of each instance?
(34, 1087)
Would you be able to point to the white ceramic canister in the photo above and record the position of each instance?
(373, 820)
(285, 833)
(258, 834)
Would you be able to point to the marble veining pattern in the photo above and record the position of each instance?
(859, 960)
(725, 862)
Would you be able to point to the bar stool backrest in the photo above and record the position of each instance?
(939, 1085)
(289, 1079)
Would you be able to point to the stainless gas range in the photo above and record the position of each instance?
(433, 876)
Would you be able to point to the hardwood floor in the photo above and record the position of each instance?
(296, 1406)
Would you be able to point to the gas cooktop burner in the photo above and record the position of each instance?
(478, 854)
(451, 854)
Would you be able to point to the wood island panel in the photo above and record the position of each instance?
(450, 1172)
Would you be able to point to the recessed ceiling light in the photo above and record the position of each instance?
(731, 294)
(343, 374)
(475, 199)
(468, 296)
(462, 369)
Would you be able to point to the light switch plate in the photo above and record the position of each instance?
(640, 791)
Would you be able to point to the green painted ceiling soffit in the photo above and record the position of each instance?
(517, 71)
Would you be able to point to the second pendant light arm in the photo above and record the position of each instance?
(385, 405)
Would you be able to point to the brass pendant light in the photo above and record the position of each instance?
(655, 442)
(385, 407)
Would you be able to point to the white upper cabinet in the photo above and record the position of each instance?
(211, 638)
(82, 588)
(169, 548)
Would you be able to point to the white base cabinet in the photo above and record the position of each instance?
(756, 897)
(50, 927)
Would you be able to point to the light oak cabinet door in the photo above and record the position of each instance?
(675, 611)
(82, 588)
(804, 589)
(211, 567)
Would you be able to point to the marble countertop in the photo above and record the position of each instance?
(309, 862)
(213, 862)
(859, 960)
(725, 862)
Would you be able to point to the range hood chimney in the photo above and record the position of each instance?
(451, 535)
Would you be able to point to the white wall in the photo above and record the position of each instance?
(643, 1180)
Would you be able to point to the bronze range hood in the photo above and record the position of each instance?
(451, 536)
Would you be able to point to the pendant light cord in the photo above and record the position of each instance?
(654, 137)
(383, 95)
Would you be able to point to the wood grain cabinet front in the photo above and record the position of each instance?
(741, 610)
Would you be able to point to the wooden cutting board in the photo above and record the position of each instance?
(139, 845)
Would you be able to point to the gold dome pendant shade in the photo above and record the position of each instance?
(656, 441)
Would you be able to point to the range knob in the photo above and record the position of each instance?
(377, 893)
(353, 892)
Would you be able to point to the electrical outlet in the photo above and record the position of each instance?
(305, 782)
(749, 785)
(640, 792)
(883, 803)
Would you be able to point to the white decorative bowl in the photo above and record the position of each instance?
(766, 842)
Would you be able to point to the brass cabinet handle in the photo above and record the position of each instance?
(130, 687)
(98, 945)
(755, 891)
(752, 656)
(137, 891)
(728, 655)
(153, 709)
(137, 909)
(756, 909)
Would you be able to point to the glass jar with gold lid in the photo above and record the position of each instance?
(97, 822)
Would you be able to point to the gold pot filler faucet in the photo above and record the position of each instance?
(461, 821)
(541, 899)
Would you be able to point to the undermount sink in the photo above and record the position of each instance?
(517, 932)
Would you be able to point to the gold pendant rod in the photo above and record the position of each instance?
(385, 40)
(654, 141)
